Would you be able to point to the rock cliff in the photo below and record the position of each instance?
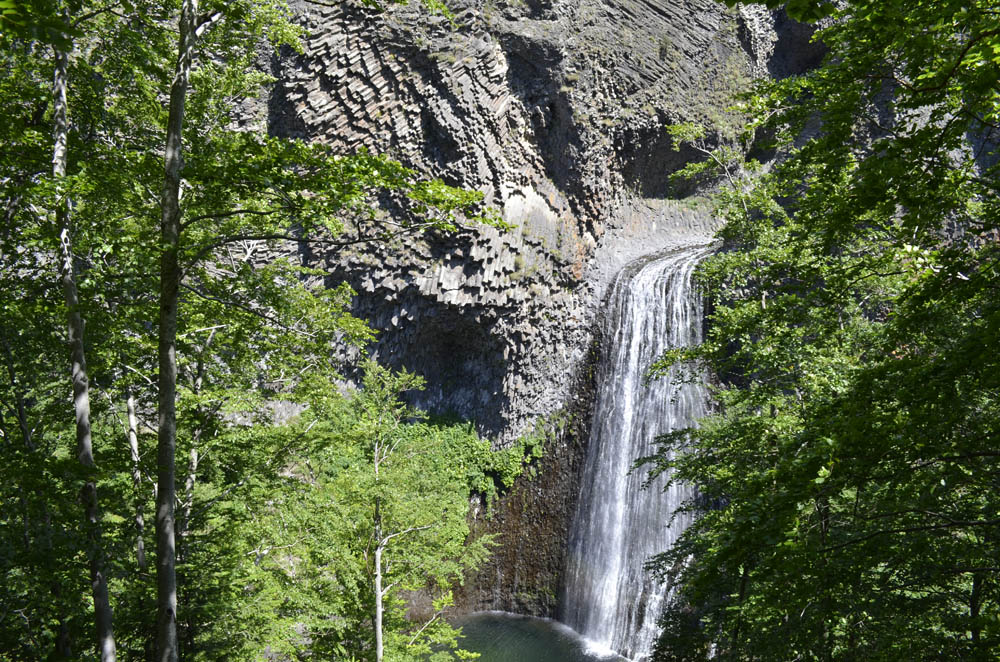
(555, 110)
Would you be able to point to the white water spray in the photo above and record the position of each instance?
(610, 598)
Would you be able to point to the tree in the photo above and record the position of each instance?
(241, 189)
(403, 488)
(314, 551)
(48, 237)
(417, 489)
(103, 613)
(847, 484)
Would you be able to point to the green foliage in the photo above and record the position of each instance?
(509, 463)
(687, 132)
(847, 502)
(807, 11)
(35, 19)
(724, 157)
(303, 537)
(254, 330)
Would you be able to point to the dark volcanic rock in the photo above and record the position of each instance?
(555, 110)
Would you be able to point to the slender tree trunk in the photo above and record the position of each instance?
(64, 643)
(103, 615)
(183, 523)
(975, 603)
(170, 231)
(379, 546)
(63, 640)
(99, 584)
(20, 408)
(187, 634)
(744, 579)
(140, 520)
(189, 484)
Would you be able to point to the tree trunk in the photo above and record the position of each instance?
(64, 643)
(183, 523)
(379, 547)
(99, 584)
(378, 601)
(975, 603)
(187, 505)
(103, 615)
(140, 520)
(170, 230)
(189, 484)
(20, 408)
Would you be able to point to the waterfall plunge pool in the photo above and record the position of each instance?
(502, 637)
(652, 307)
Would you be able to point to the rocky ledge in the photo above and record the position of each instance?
(555, 110)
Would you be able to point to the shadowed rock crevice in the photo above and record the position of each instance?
(649, 159)
(554, 109)
(462, 362)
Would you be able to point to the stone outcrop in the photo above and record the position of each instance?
(555, 110)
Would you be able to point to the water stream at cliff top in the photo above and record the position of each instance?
(610, 598)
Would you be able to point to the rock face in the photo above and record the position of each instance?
(555, 110)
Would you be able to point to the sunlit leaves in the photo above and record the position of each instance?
(846, 483)
(367, 449)
(254, 329)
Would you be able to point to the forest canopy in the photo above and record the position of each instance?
(849, 481)
(149, 269)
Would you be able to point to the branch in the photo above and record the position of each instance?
(96, 12)
(955, 458)
(424, 626)
(725, 170)
(114, 410)
(267, 550)
(207, 328)
(149, 381)
(412, 529)
(911, 529)
(262, 315)
(951, 72)
(205, 22)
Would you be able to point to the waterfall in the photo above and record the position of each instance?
(610, 598)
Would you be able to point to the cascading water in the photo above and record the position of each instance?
(610, 598)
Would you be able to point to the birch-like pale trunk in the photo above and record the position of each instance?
(170, 275)
(103, 615)
(140, 519)
(189, 484)
(379, 548)
(183, 523)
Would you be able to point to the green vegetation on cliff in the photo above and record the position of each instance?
(849, 483)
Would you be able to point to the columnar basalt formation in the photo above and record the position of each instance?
(555, 110)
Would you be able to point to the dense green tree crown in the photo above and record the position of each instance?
(849, 483)
(254, 332)
(283, 559)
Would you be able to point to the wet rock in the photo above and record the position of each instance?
(555, 110)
